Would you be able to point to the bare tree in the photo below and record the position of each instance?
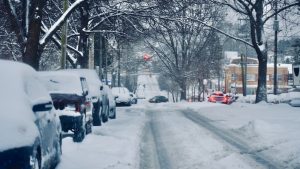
(180, 43)
(258, 12)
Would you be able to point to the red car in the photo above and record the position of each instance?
(219, 97)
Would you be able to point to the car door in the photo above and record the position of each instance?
(45, 120)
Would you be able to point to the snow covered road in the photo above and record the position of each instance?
(174, 139)
(185, 136)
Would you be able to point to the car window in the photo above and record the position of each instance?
(36, 92)
(218, 94)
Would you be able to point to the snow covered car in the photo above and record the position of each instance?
(30, 128)
(111, 100)
(133, 98)
(122, 95)
(220, 97)
(158, 99)
(100, 103)
(69, 94)
(295, 102)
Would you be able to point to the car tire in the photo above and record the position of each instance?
(35, 160)
(114, 113)
(96, 114)
(105, 114)
(79, 135)
(88, 127)
(58, 153)
(80, 132)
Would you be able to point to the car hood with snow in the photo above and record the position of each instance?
(17, 119)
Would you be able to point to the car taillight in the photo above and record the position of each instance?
(88, 106)
(77, 108)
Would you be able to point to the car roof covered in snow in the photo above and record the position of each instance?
(92, 79)
(61, 82)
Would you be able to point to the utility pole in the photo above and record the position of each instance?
(244, 73)
(276, 29)
(64, 38)
(119, 64)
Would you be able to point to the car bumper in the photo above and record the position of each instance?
(70, 122)
(17, 158)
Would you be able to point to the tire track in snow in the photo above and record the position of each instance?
(204, 122)
(153, 153)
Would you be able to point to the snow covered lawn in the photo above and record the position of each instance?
(272, 129)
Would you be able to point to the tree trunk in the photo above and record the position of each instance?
(83, 44)
(261, 91)
(33, 50)
(183, 90)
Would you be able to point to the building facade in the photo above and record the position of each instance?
(233, 78)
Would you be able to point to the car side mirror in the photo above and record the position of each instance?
(101, 87)
(42, 107)
(116, 97)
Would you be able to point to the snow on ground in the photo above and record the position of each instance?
(271, 129)
(112, 145)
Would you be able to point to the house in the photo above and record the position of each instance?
(233, 76)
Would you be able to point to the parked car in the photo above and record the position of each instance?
(69, 93)
(134, 99)
(112, 102)
(122, 95)
(220, 97)
(30, 128)
(99, 99)
(158, 99)
(295, 102)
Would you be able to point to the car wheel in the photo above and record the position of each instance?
(80, 132)
(79, 135)
(105, 114)
(96, 114)
(35, 160)
(88, 127)
(58, 152)
(113, 111)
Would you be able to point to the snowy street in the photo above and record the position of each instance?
(190, 135)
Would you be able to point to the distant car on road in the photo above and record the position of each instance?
(134, 99)
(295, 102)
(30, 128)
(122, 95)
(158, 99)
(220, 97)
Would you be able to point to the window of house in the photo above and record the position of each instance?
(251, 77)
(233, 76)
